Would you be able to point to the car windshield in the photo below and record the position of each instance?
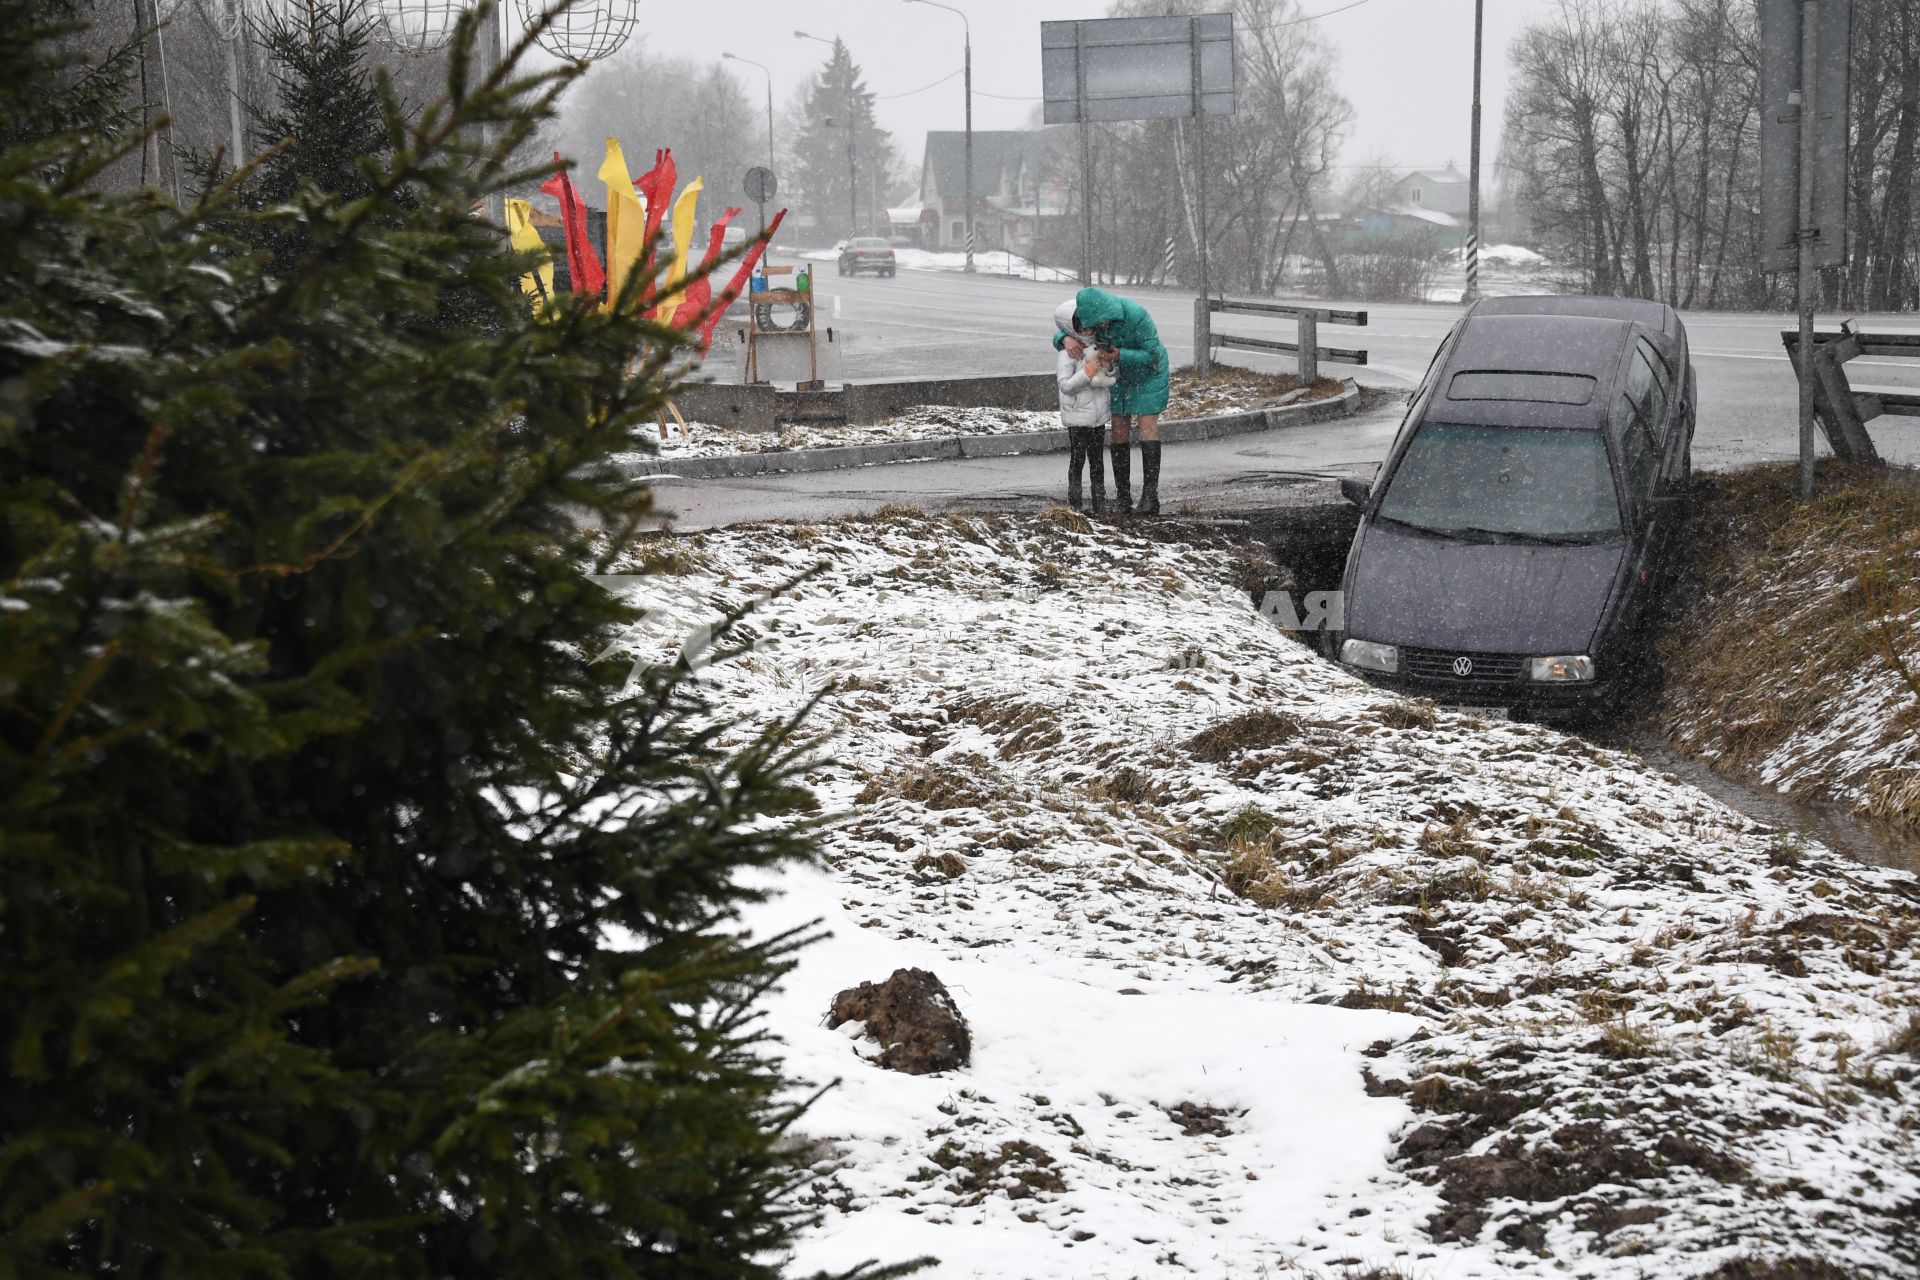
(869, 244)
(1505, 482)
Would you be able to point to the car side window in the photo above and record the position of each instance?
(1647, 386)
(1639, 458)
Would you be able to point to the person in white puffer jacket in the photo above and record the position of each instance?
(1086, 409)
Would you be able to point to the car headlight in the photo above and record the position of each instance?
(1370, 656)
(1565, 668)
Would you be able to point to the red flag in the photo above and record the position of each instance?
(656, 188)
(584, 273)
(698, 294)
(739, 281)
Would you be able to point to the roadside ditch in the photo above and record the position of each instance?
(1807, 731)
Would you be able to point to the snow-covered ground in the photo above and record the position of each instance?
(1270, 973)
(1228, 390)
(1505, 270)
(921, 422)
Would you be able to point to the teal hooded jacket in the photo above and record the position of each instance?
(1145, 369)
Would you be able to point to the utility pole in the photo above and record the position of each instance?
(967, 27)
(1473, 181)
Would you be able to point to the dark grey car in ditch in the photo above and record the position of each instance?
(1513, 542)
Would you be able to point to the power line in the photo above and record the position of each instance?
(923, 88)
(1311, 17)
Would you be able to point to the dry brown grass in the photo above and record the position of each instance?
(1779, 605)
(1227, 387)
(1251, 731)
(965, 782)
(1408, 715)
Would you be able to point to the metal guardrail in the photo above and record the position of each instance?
(1843, 409)
(1307, 347)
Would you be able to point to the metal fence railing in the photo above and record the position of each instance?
(1306, 346)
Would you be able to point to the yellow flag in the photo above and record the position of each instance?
(626, 221)
(538, 283)
(683, 210)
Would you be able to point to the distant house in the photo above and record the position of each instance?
(1432, 191)
(1019, 187)
(1432, 202)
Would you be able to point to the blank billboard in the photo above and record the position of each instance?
(1137, 68)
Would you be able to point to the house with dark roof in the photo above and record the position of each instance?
(1020, 186)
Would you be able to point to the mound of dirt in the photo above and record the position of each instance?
(914, 1018)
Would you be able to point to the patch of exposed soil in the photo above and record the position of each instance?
(914, 1018)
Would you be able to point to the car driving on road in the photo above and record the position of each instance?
(1513, 542)
(867, 253)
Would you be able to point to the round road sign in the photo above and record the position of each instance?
(760, 184)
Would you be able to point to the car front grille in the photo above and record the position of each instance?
(1440, 664)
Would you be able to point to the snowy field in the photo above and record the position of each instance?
(997, 262)
(1273, 974)
(1505, 270)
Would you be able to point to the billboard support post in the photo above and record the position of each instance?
(1165, 68)
(1809, 69)
(1805, 50)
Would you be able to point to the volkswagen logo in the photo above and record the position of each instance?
(1463, 667)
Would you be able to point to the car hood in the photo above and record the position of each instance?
(1479, 597)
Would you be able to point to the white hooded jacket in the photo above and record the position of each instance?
(1084, 401)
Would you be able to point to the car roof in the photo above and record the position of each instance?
(1533, 342)
(1657, 316)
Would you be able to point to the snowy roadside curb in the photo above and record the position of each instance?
(1213, 427)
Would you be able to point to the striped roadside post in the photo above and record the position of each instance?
(1473, 268)
(969, 244)
(1166, 272)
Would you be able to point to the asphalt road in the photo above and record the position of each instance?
(928, 323)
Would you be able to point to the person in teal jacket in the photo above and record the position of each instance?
(1141, 394)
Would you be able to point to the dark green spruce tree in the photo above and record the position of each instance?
(316, 821)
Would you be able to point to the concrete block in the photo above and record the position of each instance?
(869, 402)
(750, 408)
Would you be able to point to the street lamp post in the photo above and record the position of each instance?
(967, 27)
(731, 57)
(1473, 180)
(853, 183)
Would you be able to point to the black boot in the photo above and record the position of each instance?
(1076, 459)
(1149, 478)
(1097, 470)
(1122, 478)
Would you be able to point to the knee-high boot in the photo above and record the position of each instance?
(1122, 478)
(1149, 478)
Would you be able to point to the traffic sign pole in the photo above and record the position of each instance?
(1809, 70)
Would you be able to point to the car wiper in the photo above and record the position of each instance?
(1425, 530)
(1515, 535)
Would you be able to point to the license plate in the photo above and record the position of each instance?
(1483, 713)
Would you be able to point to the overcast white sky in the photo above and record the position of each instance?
(1405, 65)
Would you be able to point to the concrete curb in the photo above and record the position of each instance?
(1216, 427)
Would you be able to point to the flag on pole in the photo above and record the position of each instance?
(739, 281)
(684, 210)
(693, 307)
(656, 188)
(538, 283)
(626, 222)
(584, 272)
